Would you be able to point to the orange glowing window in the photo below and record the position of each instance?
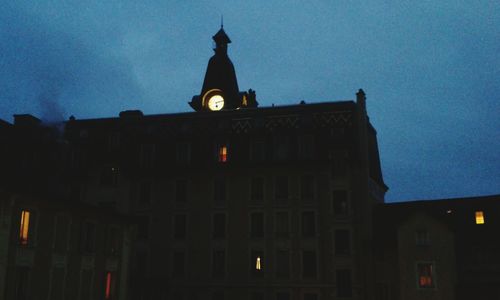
(479, 217)
(108, 286)
(24, 228)
(425, 275)
(223, 153)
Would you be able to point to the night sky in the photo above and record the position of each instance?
(430, 69)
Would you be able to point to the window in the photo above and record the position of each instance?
(219, 192)
(425, 275)
(282, 224)
(61, 234)
(147, 157)
(219, 263)
(344, 284)
(306, 146)
(22, 282)
(282, 263)
(222, 153)
(281, 190)
(281, 147)
(142, 227)
(258, 151)
(113, 241)
(27, 228)
(257, 191)
(422, 237)
(310, 296)
(86, 284)
(183, 153)
(282, 296)
(109, 285)
(309, 264)
(57, 283)
(340, 203)
(178, 263)
(109, 176)
(257, 263)
(257, 296)
(145, 192)
(257, 225)
(180, 190)
(218, 295)
(219, 226)
(479, 217)
(307, 189)
(88, 237)
(308, 224)
(113, 141)
(180, 226)
(342, 242)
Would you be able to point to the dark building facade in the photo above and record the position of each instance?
(231, 201)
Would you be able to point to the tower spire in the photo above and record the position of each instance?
(221, 21)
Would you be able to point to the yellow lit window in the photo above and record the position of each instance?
(479, 217)
(24, 228)
(223, 153)
(257, 264)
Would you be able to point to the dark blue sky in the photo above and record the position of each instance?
(431, 70)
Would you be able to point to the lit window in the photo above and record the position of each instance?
(24, 228)
(108, 286)
(257, 263)
(425, 273)
(479, 217)
(222, 153)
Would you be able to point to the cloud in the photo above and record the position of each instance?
(47, 70)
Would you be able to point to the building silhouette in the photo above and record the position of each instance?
(231, 201)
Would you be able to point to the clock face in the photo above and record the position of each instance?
(216, 102)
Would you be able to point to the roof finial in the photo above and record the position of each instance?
(221, 21)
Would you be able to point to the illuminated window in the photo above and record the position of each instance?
(479, 217)
(24, 228)
(109, 281)
(257, 263)
(222, 153)
(425, 275)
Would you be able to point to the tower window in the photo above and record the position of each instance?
(344, 283)
(257, 225)
(257, 263)
(309, 264)
(342, 242)
(222, 153)
(425, 275)
(219, 226)
(479, 217)
(219, 263)
(422, 237)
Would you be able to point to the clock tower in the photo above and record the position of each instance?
(220, 87)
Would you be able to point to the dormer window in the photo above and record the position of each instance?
(479, 217)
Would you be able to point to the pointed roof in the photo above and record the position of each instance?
(221, 37)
